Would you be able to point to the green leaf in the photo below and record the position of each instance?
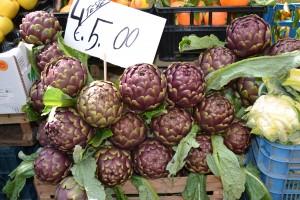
(148, 115)
(101, 135)
(119, 194)
(210, 160)
(109, 194)
(193, 42)
(146, 191)
(255, 188)
(18, 176)
(232, 176)
(69, 51)
(297, 36)
(296, 18)
(54, 97)
(262, 66)
(195, 188)
(84, 173)
(185, 145)
(31, 114)
(35, 72)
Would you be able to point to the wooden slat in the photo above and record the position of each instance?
(162, 186)
(15, 130)
(13, 119)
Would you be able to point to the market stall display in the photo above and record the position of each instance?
(181, 132)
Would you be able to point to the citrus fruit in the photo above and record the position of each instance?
(139, 4)
(2, 36)
(9, 8)
(234, 2)
(6, 25)
(218, 18)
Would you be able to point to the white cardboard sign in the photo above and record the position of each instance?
(123, 35)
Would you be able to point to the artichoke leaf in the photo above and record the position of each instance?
(178, 160)
(232, 176)
(195, 188)
(84, 173)
(193, 42)
(261, 66)
(146, 191)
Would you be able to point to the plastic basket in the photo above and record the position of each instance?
(286, 25)
(173, 34)
(280, 167)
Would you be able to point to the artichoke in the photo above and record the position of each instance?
(185, 84)
(41, 136)
(151, 159)
(36, 95)
(100, 103)
(66, 129)
(284, 45)
(246, 88)
(48, 52)
(129, 132)
(51, 165)
(196, 158)
(171, 127)
(237, 137)
(39, 27)
(114, 165)
(248, 35)
(69, 189)
(65, 73)
(143, 87)
(214, 114)
(215, 58)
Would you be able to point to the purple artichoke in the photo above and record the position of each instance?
(185, 84)
(248, 35)
(68, 188)
(237, 137)
(100, 103)
(66, 129)
(284, 45)
(49, 52)
(151, 159)
(143, 87)
(41, 135)
(215, 58)
(214, 114)
(39, 27)
(171, 127)
(195, 161)
(246, 89)
(52, 165)
(36, 95)
(129, 132)
(114, 165)
(65, 73)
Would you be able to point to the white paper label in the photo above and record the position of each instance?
(122, 35)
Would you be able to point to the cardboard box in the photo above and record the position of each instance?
(14, 79)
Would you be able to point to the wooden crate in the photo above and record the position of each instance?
(162, 186)
(16, 130)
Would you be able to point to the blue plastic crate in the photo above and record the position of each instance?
(268, 17)
(280, 167)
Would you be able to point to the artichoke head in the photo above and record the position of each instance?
(214, 114)
(143, 87)
(68, 188)
(185, 84)
(100, 104)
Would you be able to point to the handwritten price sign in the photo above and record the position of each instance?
(124, 35)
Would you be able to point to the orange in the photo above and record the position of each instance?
(184, 18)
(123, 2)
(3, 65)
(218, 18)
(139, 4)
(70, 2)
(234, 2)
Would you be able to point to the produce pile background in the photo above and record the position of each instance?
(190, 119)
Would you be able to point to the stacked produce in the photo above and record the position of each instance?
(189, 119)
